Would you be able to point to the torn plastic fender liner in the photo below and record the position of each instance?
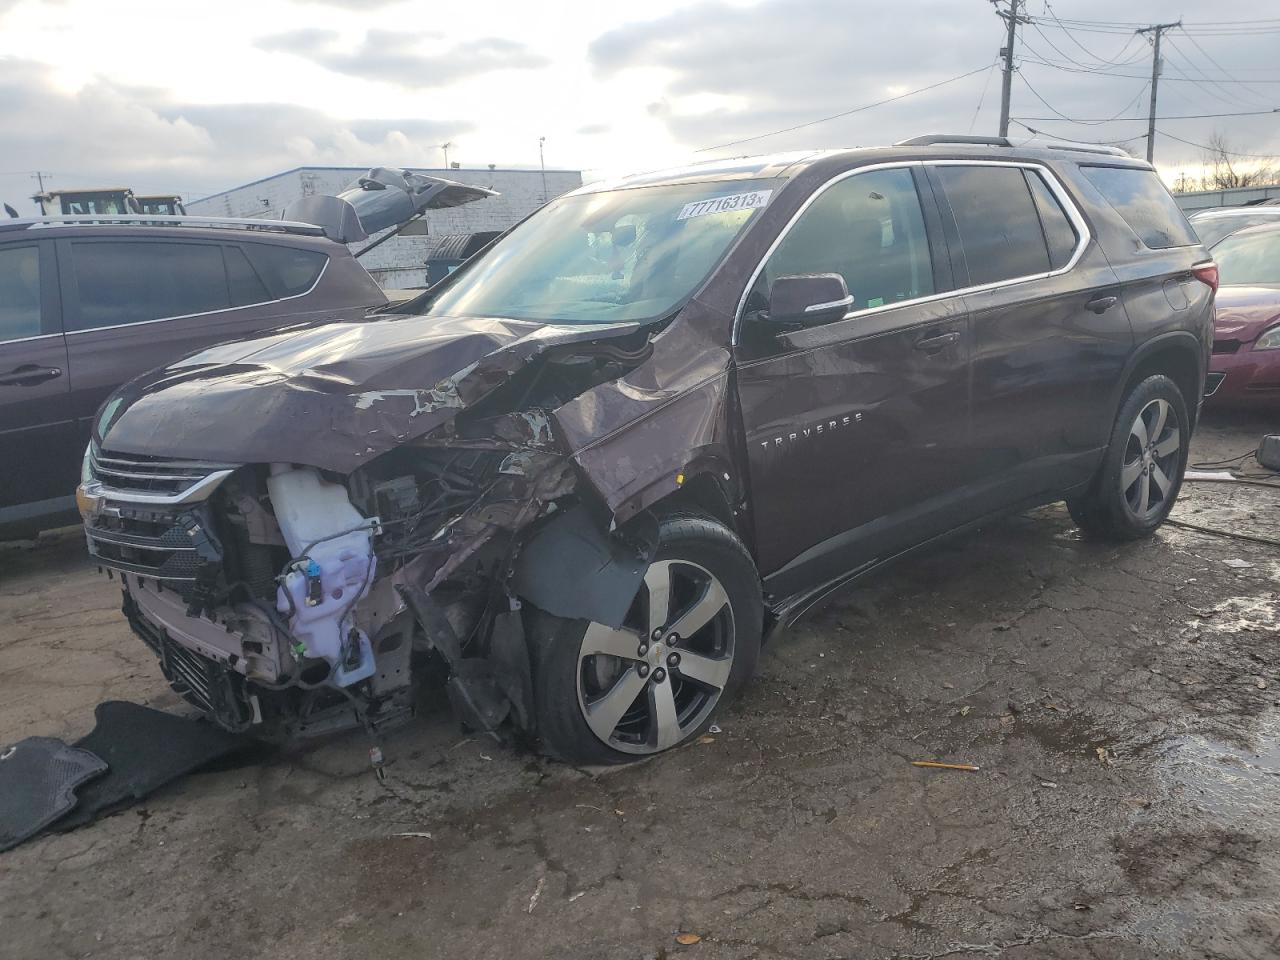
(573, 567)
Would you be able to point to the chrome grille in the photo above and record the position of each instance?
(150, 475)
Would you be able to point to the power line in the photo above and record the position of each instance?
(1114, 61)
(1205, 28)
(1230, 97)
(1177, 116)
(1220, 67)
(837, 116)
(983, 96)
(1095, 143)
(1220, 97)
(1234, 153)
(1063, 116)
(1101, 73)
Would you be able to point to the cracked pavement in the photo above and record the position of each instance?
(1122, 703)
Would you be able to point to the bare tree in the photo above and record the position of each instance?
(1224, 168)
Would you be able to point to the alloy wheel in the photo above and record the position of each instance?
(1151, 459)
(647, 685)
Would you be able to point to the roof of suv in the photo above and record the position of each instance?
(790, 165)
(170, 225)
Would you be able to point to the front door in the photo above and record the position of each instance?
(39, 455)
(857, 430)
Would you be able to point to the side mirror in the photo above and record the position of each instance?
(809, 298)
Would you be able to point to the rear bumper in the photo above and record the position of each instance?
(1249, 377)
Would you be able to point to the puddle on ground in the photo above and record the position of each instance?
(1199, 869)
(1231, 783)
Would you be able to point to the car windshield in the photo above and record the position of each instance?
(1249, 258)
(614, 256)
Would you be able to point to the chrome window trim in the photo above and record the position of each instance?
(38, 336)
(1083, 234)
(204, 313)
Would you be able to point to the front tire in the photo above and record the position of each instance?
(689, 642)
(1141, 472)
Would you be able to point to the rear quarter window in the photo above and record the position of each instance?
(287, 271)
(1144, 204)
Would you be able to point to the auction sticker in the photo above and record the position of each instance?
(736, 201)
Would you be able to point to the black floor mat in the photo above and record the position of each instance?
(38, 781)
(144, 749)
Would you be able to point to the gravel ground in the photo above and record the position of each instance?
(1123, 705)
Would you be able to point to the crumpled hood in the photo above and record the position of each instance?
(332, 396)
(1244, 312)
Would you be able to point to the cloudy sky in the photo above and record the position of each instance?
(195, 97)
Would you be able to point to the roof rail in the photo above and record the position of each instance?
(929, 139)
(165, 220)
(1105, 151)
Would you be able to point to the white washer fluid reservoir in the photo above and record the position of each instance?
(322, 588)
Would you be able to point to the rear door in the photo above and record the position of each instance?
(133, 304)
(856, 430)
(39, 446)
(1153, 249)
(1050, 336)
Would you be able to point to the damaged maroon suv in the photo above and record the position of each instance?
(571, 487)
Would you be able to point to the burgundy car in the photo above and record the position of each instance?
(1245, 367)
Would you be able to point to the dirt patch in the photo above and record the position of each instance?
(1110, 695)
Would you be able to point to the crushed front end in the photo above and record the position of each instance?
(293, 599)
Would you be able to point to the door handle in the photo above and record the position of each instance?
(29, 375)
(935, 343)
(1102, 304)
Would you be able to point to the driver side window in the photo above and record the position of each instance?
(868, 228)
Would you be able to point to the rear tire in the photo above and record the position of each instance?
(606, 696)
(1141, 471)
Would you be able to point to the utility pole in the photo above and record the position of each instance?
(1012, 20)
(38, 177)
(1156, 29)
(542, 163)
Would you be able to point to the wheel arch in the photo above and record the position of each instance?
(1179, 356)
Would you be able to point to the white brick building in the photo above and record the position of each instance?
(400, 262)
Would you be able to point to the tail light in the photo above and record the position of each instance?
(1206, 273)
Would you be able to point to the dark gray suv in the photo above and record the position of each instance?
(89, 303)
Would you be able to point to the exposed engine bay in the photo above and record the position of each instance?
(290, 599)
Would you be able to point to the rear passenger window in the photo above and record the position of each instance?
(1059, 234)
(287, 271)
(246, 286)
(868, 228)
(1144, 203)
(132, 281)
(19, 292)
(999, 228)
